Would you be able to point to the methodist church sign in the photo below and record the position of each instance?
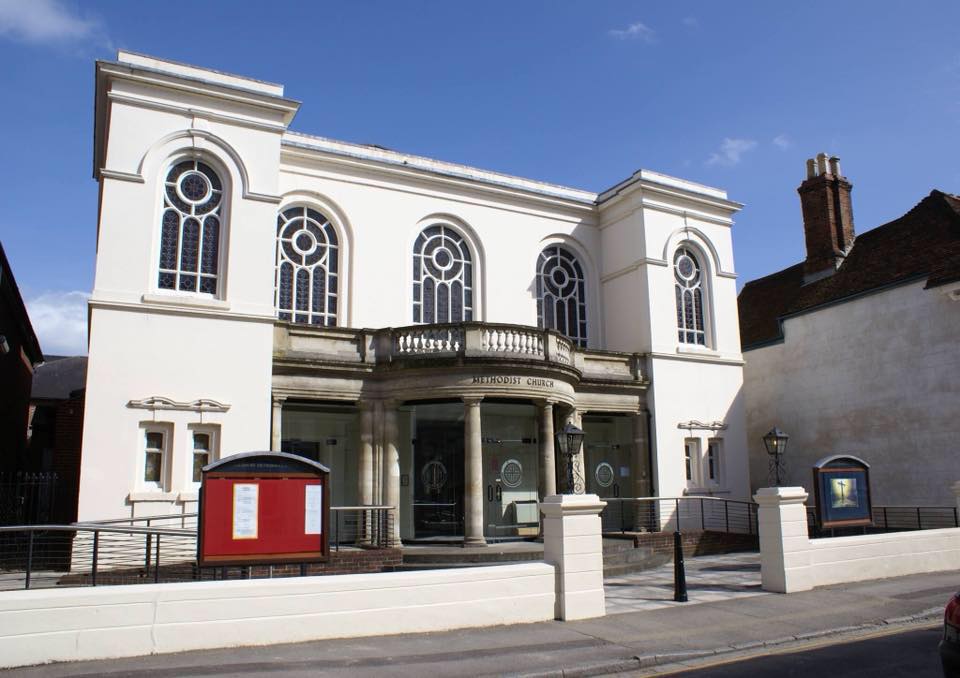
(261, 508)
(842, 487)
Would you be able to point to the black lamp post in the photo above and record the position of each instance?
(569, 440)
(776, 443)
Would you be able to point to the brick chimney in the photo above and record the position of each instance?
(827, 216)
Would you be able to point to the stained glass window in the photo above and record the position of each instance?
(561, 298)
(688, 275)
(442, 277)
(307, 258)
(190, 228)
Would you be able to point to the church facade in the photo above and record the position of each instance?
(422, 328)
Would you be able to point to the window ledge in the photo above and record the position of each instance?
(156, 495)
(184, 300)
(693, 349)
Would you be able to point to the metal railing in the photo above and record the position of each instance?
(685, 514)
(894, 519)
(121, 551)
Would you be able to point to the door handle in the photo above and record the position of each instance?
(616, 489)
(489, 492)
(499, 493)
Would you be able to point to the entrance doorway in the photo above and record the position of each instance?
(438, 473)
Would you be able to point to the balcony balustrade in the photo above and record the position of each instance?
(465, 342)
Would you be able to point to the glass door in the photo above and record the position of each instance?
(438, 480)
(510, 471)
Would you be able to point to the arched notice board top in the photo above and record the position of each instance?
(266, 462)
(835, 459)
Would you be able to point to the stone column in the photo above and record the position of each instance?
(365, 466)
(391, 464)
(473, 474)
(548, 457)
(573, 545)
(365, 472)
(784, 541)
(276, 435)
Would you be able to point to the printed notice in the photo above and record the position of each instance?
(313, 511)
(245, 502)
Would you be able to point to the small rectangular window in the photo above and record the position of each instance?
(155, 441)
(714, 461)
(693, 465)
(203, 449)
(201, 454)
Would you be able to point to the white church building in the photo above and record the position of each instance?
(420, 327)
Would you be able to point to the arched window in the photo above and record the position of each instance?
(307, 266)
(561, 294)
(688, 274)
(190, 228)
(442, 277)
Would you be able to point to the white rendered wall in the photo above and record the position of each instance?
(791, 561)
(875, 377)
(123, 621)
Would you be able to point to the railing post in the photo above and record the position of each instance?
(919, 524)
(703, 517)
(93, 567)
(146, 557)
(677, 501)
(156, 563)
(726, 514)
(956, 517)
(29, 558)
(886, 523)
(336, 530)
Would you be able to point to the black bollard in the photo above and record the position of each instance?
(679, 575)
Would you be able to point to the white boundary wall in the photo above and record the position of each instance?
(791, 561)
(121, 621)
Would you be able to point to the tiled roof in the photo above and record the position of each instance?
(923, 242)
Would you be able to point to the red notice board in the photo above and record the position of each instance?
(263, 508)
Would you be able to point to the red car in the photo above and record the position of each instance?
(950, 645)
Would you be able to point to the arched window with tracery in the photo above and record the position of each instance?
(442, 276)
(688, 276)
(561, 294)
(190, 228)
(308, 250)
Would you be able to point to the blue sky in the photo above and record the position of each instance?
(735, 95)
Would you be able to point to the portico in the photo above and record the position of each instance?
(454, 425)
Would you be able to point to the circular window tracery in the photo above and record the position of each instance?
(307, 267)
(511, 473)
(190, 228)
(561, 293)
(689, 297)
(604, 474)
(442, 276)
(433, 475)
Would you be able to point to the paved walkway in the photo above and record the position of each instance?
(673, 635)
(709, 579)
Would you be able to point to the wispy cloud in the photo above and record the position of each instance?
(635, 31)
(731, 152)
(783, 142)
(60, 321)
(45, 22)
(691, 22)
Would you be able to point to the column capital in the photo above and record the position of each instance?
(366, 404)
(278, 398)
(471, 400)
(545, 402)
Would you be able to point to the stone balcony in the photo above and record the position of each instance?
(450, 345)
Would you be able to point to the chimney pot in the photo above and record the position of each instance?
(822, 163)
(811, 169)
(835, 166)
